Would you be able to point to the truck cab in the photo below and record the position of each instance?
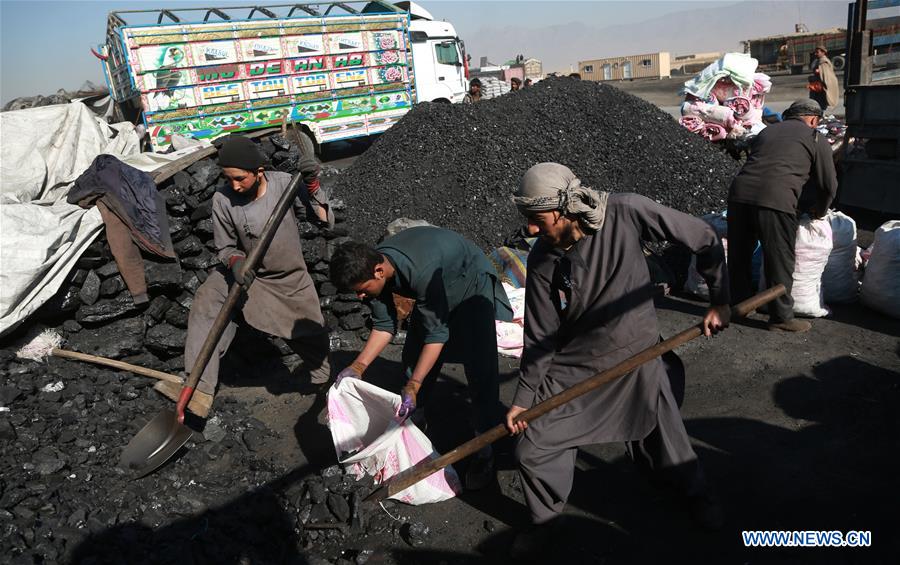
(438, 55)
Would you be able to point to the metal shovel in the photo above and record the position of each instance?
(165, 434)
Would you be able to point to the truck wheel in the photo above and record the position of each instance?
(441, 101)
(838, 62)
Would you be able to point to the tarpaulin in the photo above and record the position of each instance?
(43, 151)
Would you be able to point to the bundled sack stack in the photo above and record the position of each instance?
(492, 87)
(456, 166)
(725, 101)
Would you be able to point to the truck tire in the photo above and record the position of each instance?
(838, 63)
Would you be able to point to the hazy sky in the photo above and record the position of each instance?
(46, 45)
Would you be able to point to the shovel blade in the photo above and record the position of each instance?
(155, 444)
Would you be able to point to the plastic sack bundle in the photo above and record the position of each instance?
(369, 440)
(840, 281)
(881, 284)
(812, 249)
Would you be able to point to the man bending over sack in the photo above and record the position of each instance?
(589, 306)
(282, 298)
(458, 296)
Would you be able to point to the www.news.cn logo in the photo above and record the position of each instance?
(807, 538)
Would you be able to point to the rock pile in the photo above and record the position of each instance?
(97, 315)
(64, 500)
(456, 165)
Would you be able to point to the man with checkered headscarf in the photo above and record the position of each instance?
(588, 306)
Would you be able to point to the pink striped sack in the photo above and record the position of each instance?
(369, 440)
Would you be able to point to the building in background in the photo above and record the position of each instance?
(650, 65)
(534, 69)
(693, 63)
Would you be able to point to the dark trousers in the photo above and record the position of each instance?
(777, 234)
(473, 342)
(821, 98)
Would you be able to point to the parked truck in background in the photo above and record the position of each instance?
(335, 71)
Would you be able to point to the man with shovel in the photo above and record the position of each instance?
(282, 298)
(588, 306)
(458, 296)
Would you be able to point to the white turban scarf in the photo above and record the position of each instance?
(551, 186)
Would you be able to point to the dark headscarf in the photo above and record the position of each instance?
(241, 153)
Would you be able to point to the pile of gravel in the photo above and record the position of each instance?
(457, 165)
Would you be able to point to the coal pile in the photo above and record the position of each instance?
(64, 500)
(457, 165)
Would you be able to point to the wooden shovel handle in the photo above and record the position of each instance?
(66, 354)
(427, 467)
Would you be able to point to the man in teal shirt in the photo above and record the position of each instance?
(457, 298)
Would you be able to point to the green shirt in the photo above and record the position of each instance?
(440, 269)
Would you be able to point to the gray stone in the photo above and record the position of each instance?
(204, 228)
(177, 316)
(203, 211)
(415, 533)
(165, 339)
(71, 326)
(204, 260)
(339, 507)
(182, 180)
(112, 286)
(8, 394)
(108, 270)
(90, 290)
(105, 310)
(46, 461)
(158, 307)
(188, 246)
(203, 173)
(179, 227)
(190, 281)
(162, 276)
(78, 276)
(327, 289)
(344, 308)
(253, 439)
(352, 321)
(317, 492)
(115, 340)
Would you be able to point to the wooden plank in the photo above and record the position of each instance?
(168, 170)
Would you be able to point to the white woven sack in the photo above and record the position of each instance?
(840, 281)
(881, 284)
(369, 440)
(813, 246)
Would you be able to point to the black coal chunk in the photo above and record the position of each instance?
(165, 339)
(162, 276)
(105, 310)
(115, 340)
(90, 289)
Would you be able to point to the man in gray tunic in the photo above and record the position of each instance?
(282, 298)
(588, 306)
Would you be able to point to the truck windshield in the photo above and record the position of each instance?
(447, 54)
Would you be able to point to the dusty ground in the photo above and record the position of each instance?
(797, 432)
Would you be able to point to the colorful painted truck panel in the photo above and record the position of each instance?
(342, 76)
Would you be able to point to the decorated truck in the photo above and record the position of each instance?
(336, 71)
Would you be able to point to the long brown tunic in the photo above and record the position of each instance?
(591, 307)
(282, 301)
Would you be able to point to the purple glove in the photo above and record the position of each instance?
(354, 371)
(408, 399)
